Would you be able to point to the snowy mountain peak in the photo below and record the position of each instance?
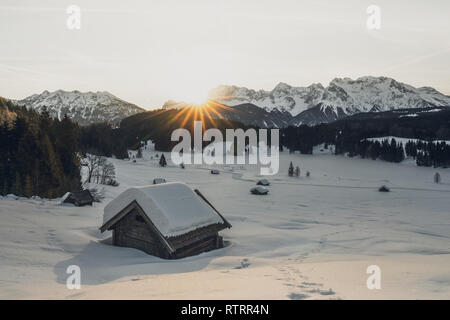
(83, 107)
(343, 96)
(281, 87)
(317, 86)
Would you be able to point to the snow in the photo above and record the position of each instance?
(352, 96)
(411, 115)
(65, 196)
(84, 107)
(172, 207)
(404, 140)
(309, 238)
(260, 190)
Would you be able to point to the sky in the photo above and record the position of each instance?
(149, 51)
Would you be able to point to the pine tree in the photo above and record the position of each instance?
(28, 187)
(38, 155)
(291, 170)
(437, 178)
(297, 171)
(162, 161)
(18, 185)
(5, 189)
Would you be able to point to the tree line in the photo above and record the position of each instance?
(427, 154)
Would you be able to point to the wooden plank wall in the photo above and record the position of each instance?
(132, 232)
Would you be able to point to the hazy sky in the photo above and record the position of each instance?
(149, 51)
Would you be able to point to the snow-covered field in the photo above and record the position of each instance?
(310, 238)
(404, 141)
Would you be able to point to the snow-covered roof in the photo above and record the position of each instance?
(263, 182)
(174, 208)
(259, 190)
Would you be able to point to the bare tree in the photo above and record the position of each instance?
(98, 195)
(100, 170)
(92, 163)
(108, 174)
(139, 153)
(97, 174)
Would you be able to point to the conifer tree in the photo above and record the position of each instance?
(28, 187)
(162, 161)
(18, 185)
(291, 170)
(437, 178)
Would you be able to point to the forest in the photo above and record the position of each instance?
(350, 135)
(38, 155)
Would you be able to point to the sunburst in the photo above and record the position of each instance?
(209, 110)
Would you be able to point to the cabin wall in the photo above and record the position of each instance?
(131, 231)
(206, 244)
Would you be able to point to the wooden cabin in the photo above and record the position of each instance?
(259, 190)
(263, 182)
(159, 180)
(80, 198)
(168, 220)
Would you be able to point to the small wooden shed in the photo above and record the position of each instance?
(259, 190)
(80, 198)
(159, 180)
(168, 220)
(263, 182)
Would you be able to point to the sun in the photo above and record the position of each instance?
(196, 99)
(191, 91)
(209, 111)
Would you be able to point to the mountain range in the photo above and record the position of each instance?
(83, 107)
(342, 97)
(283, 106)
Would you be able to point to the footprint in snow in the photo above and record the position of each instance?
(328, 292)
(311, 284)
(297, 296)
